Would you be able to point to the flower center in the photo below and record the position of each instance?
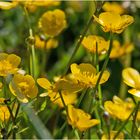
(23, 87)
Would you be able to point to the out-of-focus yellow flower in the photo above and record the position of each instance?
(113, 22)
(77, 6)
(90, 41)
(23, 87)
(8, 5)
(118, 108)
(80, 119)
(67, 89)
(30, 4)
(52, 22)
(118, 50)
(8, 64)
(112, 135)
(113, 7)
(1, 85)
(87, 75)
(49, 44)
(45, 3)
(131, 77)
(4, 112)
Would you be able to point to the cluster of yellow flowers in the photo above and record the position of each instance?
(66, 89)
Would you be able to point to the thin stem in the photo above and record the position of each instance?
(97, 68)
(81, 98)
(78, 44)
(104, 66)
(134, 119)
(30, 42)
(62, 99)
(76, 134)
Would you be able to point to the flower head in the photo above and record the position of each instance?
(118, 106)
(51, 43)
(118, 50)
(113, 7)
(113, 22)
(90, 41)
(80, 119)
(8, 64)
(87, 75)
(131, 77)
(23, 87)
(53, 22)
(68, 91)
(4, 112)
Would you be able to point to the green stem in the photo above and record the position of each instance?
(134, 119)
(30, 42)
(104, 66)
(76, 134)
(62, 99)
(78, 44)
(97, 68)
(81, 98)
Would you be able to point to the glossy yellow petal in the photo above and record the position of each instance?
(135, 92)
(131, 77)
(7, 5)
(126, 20)
(3, 56)
(4, 113)
(117, 100)
(83, 68)
(103, 79)
(14, 60)
(85, 124)
(44, 83)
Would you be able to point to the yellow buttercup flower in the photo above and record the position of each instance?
(4, 112)
(118, 106)
(80, 119)
(113, 7)
(8, 5)
(131, 77)
(23, 87)
(31, 5)
(118, 50)
(45, 3)
(67, 89)
(53, 22)
(8, 63)
(90, 41)
(113, 22)
(87, 75)
(112, 135)
(49, 44)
